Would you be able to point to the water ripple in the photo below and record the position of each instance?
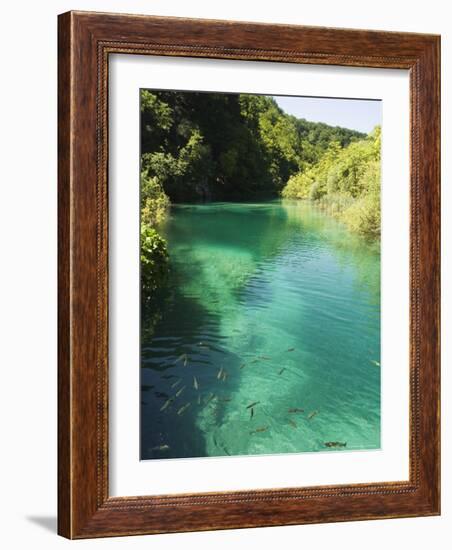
(274, 304)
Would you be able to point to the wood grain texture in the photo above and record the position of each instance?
(64, 295)
(85, 42)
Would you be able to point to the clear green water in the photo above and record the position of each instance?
(249, 283)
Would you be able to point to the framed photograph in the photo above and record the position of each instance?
(248, 275)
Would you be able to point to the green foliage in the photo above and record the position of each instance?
(364, 215)
(154, 201)
(213, 146)
(153, 252)
(154, 261)
(346, 181)
(154, 278)
(227, 146)
(298, 186)
(157, 110)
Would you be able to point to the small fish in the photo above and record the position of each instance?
(183, 409)
(166, 404)
(199, 399)
(251, 413)
(259, 430)
(203, 345)
(255, 361)
(296, 410)
(264, 357)
(225, 399)
(311, 415)
(282, 370)
(185, 361)
(251, 405)
(376, 363)
(335, 444)
(195, 383)
(292, 423)
(243, 365)
(183, 356)
(209, 399)
(220, 373)
(175, 384)
(180, 391)
(225, 375)
(291, 349)
(161, 448)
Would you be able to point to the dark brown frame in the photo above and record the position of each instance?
(84, 44)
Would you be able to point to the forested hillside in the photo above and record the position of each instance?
(211, 146)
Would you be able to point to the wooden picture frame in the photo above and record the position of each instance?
(86, 40)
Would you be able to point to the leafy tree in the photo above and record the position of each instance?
(346, 180)
(364, 215)
(154, 201)
(154, 278)
(153, 261)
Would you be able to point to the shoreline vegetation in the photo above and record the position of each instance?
(345, 182)
(202, 147)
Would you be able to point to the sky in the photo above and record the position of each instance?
(357, 114)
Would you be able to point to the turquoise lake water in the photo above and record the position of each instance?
(274, 305)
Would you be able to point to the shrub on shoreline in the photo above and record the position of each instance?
(346, 182)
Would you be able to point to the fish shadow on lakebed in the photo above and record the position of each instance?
(197, 376)
(175, 431)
